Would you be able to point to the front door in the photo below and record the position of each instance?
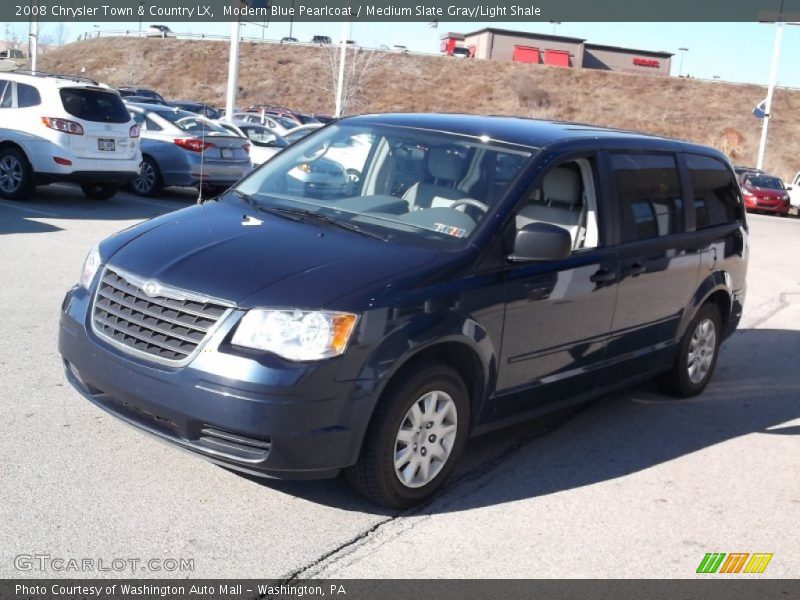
(558, 314)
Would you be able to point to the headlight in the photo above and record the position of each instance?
(296, 334)
(90, 266)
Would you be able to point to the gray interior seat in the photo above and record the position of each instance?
(561, 203)
(443, 166)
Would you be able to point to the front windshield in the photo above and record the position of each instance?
(420, 186)
(768, 183)
(263, 136)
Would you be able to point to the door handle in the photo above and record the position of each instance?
(603, 276)
(635, 269)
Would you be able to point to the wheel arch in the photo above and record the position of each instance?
(472, 356)
(17, 146)
(715, 289)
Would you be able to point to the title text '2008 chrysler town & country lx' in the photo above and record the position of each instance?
(393, 284)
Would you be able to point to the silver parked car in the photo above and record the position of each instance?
(184, 149)
(265, 142)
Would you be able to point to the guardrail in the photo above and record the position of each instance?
(264, 40)
(225, 38)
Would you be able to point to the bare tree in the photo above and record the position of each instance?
(60, 34)
(13, 36)
(359, 63)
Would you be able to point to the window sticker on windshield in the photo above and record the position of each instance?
(449, 230)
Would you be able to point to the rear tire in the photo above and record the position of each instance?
(99, 191)
(414, 439)
(148, 182)
(16, 175)
(697, 356)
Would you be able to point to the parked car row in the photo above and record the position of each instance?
(70, 128)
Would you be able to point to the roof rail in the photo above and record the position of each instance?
(57, 75)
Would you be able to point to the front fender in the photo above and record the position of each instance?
(426, 333)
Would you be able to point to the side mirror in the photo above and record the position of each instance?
(538, 242)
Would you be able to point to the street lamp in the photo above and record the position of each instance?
(683, 52)
(773, 77)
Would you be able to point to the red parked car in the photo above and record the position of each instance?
(765, 193)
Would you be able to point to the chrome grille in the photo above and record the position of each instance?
(168, 326)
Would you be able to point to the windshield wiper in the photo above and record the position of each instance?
(301, 214)
(273, 210)
(346, 225)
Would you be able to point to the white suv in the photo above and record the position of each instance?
(59, 128)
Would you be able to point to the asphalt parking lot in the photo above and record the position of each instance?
(635, 485)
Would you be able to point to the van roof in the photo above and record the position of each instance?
(520, 130)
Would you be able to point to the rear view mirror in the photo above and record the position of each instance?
(538, 242)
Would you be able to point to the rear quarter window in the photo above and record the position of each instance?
(648, 194)
(94, 105)
(27, 96)
(716, 192)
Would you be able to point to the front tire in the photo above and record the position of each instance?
(697, 356)
(16, 175)
(99, 191)
(415, 437)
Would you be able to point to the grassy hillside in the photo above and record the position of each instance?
(710, 113)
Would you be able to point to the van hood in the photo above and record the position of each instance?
(207, 249)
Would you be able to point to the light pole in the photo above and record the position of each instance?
(233, 70)
(141, 5)
(33, 37)
(555, 24)
(683, 52)
(340, 80)
(773, 75)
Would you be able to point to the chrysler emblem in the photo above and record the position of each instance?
(151, 288)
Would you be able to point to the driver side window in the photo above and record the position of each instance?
(567, 197)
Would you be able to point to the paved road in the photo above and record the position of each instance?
(637, 485)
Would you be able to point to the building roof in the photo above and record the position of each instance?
(528, 34)
(659, 53)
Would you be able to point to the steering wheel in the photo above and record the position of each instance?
(470, 202)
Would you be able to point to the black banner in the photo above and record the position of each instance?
(398, 10)
(713, 588)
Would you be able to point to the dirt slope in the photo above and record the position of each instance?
(716, 114)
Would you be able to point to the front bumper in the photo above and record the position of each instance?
(246, 411)
(781, 208)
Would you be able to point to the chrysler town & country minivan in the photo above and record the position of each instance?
(469, 272)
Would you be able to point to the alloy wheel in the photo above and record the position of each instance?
(11, 174)
(146, 180)
(702, 348)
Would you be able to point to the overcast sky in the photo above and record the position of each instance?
(731, 51)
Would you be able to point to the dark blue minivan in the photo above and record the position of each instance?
(393, 284)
